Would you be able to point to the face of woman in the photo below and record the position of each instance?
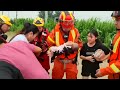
(30, 36)
(91, 38)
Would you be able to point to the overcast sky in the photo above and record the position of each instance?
(103, 15)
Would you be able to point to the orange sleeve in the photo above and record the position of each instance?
(106, 71)
(113, 67)
(78, 39)
(51, 38)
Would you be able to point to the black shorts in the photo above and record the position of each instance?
(8, 71)
(89, 68)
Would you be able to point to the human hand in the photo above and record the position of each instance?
(99, 55)
(69, 43)
(98, 73)
(90, 58)
(73, 45)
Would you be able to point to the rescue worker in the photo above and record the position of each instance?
(64, 34)
(41, 42)
(5, 25)
(113, 70)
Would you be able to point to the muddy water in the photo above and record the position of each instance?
(102, 65)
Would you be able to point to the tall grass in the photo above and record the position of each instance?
(106, 29)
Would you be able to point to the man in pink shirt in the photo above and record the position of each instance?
(18, 60)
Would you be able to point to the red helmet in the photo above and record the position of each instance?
(66, 19)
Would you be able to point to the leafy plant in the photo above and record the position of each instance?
(106, 29)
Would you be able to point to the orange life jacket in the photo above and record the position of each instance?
(59, 41)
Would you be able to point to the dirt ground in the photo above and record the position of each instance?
(102, 65)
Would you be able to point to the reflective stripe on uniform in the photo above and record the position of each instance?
(114, 68)
(71, 15)
(51, 39)
(79, 50)
(73, 34)
(63, 14)
(57, 38)
(116, 45)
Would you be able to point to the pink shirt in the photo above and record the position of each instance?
(20, 54)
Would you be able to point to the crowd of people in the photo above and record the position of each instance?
(29, 53)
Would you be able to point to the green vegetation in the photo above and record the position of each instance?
(106, 29)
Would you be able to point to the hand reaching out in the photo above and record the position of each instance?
(98, 73)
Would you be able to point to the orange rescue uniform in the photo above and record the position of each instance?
(114, 63)
(56, 39)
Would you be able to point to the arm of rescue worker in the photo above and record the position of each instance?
(105, 53)
(35, 49)
(113, 68)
